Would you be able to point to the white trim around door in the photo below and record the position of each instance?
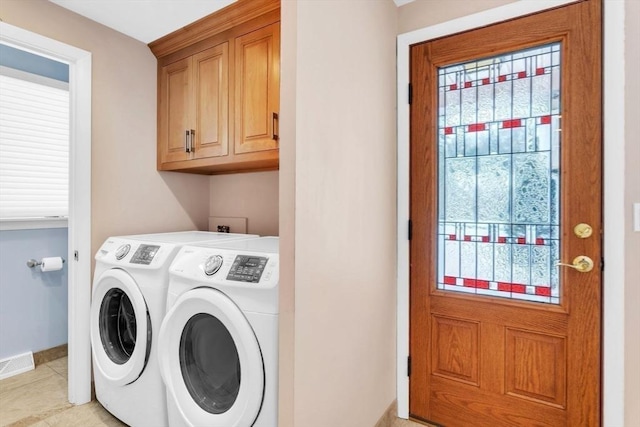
(79, 255)
(614, 75)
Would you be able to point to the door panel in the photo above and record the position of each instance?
(212, 101)
(174, 110)
(505, 161)
(257, 86)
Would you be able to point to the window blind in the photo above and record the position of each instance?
(34, 146)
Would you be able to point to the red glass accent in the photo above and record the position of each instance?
(521, 240)
(539, 241)
(516, 123)
(467, 84)
(452, 237)
(545, 120)
(449, 280)
(482, 284)
(467, 238)
(522, 74)
(453, 87)
(543, 291)
(486, 81)
(469, 283)
(448, 130)
(504, 286)
(502, 240)
(519, 289)
(485, 239)
(477, 127)
(502, 78)
(539, 71)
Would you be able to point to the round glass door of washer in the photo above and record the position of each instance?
(210, 360)
(209, 363)
(120, 328)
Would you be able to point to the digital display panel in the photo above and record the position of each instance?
(144, 254)
(247, 268)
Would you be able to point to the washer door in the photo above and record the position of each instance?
(210, 361)
(120, 328)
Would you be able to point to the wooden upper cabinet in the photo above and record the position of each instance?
(211, 95)
(219, 97)
(174, 111)
(194, 107)
(257, 97)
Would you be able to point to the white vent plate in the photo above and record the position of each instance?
(16, 365)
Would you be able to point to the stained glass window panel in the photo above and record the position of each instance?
(498, 161)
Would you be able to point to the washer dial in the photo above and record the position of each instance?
(212, 265)
(123, 251)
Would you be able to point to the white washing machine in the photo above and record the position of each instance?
(128, 304)
(218, 345)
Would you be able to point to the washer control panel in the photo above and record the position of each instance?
(247, 268)
(144, 254)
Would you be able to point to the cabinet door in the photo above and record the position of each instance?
(174, 111)
(257, 90)
(211, 77)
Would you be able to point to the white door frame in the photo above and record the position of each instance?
(613, 333)
(79, 234)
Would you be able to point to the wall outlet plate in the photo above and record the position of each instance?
(235, 224)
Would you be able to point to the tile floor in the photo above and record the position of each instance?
(39, 398)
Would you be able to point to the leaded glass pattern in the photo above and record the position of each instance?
(498, 170)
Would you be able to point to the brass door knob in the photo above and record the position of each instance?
(581, 263)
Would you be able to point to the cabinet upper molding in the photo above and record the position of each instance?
(222, 20)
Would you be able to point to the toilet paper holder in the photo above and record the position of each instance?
(34, 263)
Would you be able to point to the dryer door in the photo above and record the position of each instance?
(210, 361)
(120, 328)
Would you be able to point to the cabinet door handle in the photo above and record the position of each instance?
(275, 132)
(192, 143)
(186, 142)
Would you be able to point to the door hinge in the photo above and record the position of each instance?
(602, 264)
(410, 231)
(410, 93)
(409, 366)
(75, 255)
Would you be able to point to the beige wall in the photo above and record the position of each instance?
(287, 193)
(343, 203)
(247, 195)
(422, 13)
(632, 195)
(128, 194)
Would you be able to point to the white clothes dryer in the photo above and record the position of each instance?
(128, 304)
(218, 345)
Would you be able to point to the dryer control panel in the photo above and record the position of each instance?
(247, 268)
(144, 254)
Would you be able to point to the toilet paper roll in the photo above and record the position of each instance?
(51, 264)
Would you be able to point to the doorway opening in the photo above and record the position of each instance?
(79, 223)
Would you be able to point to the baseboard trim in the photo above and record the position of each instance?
(50, 354)
(388, 416)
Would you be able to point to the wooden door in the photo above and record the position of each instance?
(174, 110)
(211, 95)
(505, 166)
(257, 90)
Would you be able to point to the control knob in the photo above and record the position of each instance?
(123, 251)
(212, 265)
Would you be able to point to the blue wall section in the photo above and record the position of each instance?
(35, 64)
(33, 304)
